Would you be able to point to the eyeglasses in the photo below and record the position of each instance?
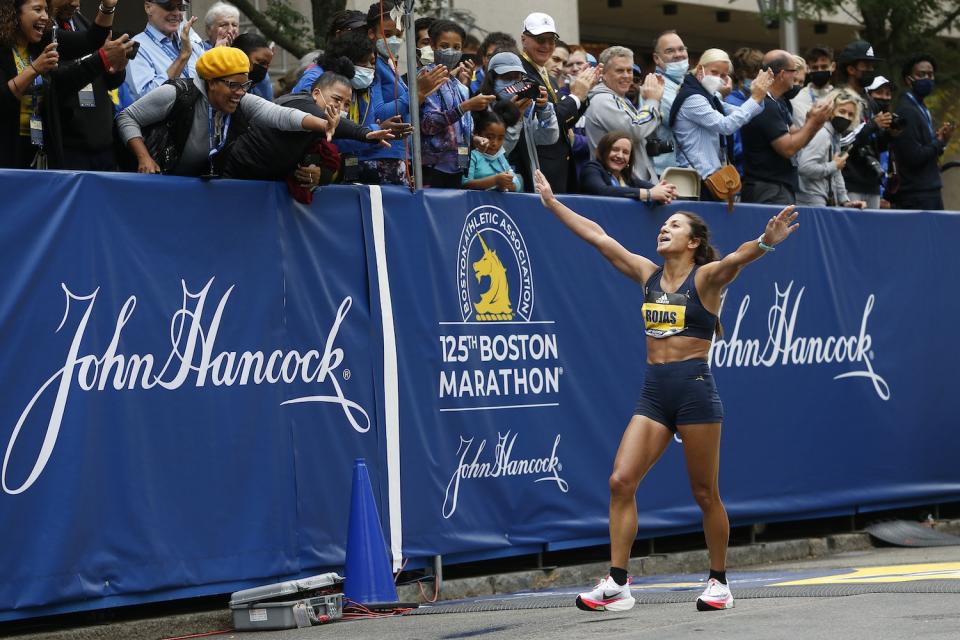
(170, 5)
(237, 86)
(545, 38)
(794, 70)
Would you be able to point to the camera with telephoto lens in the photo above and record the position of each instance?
(869, 159)
(656, 146)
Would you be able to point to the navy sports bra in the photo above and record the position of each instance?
(670, 314)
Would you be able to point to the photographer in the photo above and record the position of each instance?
(917, 149)
(522, 104)
(610, 110)
(867, 139)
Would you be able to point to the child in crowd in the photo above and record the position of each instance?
(445, 116)
(532, 118)
(489, 168)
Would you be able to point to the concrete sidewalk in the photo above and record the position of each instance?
(832, 550)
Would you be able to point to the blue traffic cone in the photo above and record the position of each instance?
(369, 580)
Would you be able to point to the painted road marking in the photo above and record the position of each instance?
(875, 575)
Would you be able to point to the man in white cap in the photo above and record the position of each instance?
(538, 40)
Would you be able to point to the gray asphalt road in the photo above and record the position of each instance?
(879, 616)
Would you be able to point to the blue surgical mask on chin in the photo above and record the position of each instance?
(489, 156)
(746, 84)
(676, 70)
(362, 78)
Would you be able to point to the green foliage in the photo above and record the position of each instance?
(291, 22)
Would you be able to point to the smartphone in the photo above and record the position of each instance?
(132, 53)
(311, 159)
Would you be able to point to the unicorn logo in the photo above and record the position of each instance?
(495, 301)
(501, 276)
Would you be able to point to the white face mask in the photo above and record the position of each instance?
(362, 77)
(712, 83)
(426, 54)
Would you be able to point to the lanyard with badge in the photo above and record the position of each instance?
(926, 115)
(216, 143)
(168, 48)
(463, 149)
(36, 124)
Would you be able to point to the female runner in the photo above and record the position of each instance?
(681, 301)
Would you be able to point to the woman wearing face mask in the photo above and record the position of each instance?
(702, 123)
(536, 120)
(821, 162)
(445, 116)
(261, 55)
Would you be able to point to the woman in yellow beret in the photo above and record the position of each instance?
(199, 117)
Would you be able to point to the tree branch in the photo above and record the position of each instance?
(270, 30)
(943, 24)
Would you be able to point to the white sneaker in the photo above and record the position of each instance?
(715, 597)
(607, 596)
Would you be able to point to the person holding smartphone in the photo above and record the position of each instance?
(86, 114)
(36, 72)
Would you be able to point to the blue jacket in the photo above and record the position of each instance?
(389, 100)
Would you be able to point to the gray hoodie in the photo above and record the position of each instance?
(610, 112)
(820, 180)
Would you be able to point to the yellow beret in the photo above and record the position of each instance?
(222, 61)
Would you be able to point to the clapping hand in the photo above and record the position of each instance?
(186, 46)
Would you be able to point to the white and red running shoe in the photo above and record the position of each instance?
(715, 597)
(607, 596)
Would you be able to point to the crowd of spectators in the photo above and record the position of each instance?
(817, 130)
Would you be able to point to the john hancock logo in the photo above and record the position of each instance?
(493, 268)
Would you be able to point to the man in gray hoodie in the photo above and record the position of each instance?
(610, 110)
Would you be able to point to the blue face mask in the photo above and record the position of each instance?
(676, 70)
(390, 47)
(447, 57)
(922, 87)
(362, 77)
(746, 85)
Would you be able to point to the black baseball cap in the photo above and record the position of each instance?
(857, 50)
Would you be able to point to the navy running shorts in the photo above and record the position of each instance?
(680, 393)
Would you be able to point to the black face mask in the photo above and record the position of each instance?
(819, 78)
(792, 93)
(257, 73)
(866, 77)
(882, 105)
(840, 124)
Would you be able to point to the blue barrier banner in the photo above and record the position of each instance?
(190, 369)
(186, 383)
(522, 358)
